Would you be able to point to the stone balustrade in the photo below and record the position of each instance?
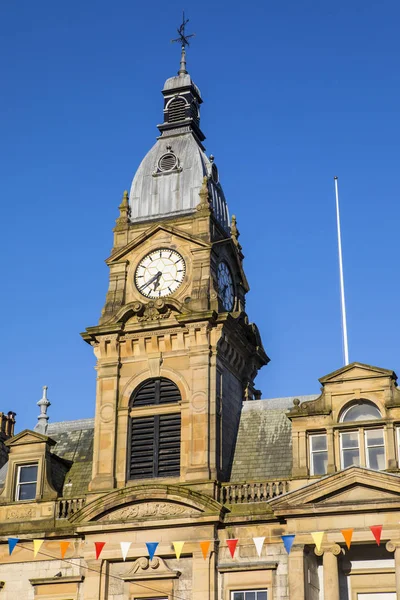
(238, 493)
(66, 507)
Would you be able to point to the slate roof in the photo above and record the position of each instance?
(74, 443)
(264, 443)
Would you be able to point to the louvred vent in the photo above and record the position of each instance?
(167, 162)
(156, 391)
(176, 110)
(155, 441)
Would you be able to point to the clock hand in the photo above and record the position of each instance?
(150, 281)
(157, 282)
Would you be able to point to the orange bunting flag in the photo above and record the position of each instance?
(99, 547)
(63, 548)
(347, 534)
(36, 546)
(317, 537)
(204, 548)
(376, 532)
(178, 548)
(232, 546)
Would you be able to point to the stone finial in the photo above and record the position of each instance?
(205, 200)
(43, 403)
(235, 232)
(124, 212)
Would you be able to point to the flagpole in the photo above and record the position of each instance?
(342, 299)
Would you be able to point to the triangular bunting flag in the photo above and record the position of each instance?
(318, 536)
(258, 542)
(37, 544)
(232, 546)
(99, 547)
(178, 548)
(12, 542)
(376, 531)
(204, 548)
(125, 549)
(347, 534)
(63, 548)
(288, 542)
(151, 549)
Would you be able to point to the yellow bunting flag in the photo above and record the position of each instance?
(63, 547)
(178, 548)
(318, 536)
(37, 544)
(347, 534)
(204, 548)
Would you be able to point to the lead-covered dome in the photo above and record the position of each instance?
(169, 178)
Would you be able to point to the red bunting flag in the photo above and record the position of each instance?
(347, 534)
(204, 548)
(63, 548)
(232, 546)
(99, 547)
(376, 531)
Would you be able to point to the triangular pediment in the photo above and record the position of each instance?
(356, 370)
(353, 490)
(29, 436)
(151, 233)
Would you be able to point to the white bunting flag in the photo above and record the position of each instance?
(258, 542)
(125, 549)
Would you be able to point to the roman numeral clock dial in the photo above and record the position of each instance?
(226, 290)
(160, 273)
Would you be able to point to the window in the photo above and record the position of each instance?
(155, 439)
(318, 454)
(361, 411)
(350, 449)
(249, 595)
(375, 449)
(26, 482)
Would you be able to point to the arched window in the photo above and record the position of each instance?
(364, 410)
(154, 440)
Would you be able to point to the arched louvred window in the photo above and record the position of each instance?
(155, 440)
(176, 110)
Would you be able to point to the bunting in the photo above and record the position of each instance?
(288, 542)
(125, 549)
(258, 542)
(37, 544)
(99, 547)
(151, 549)
(347, 534)
(376, 532)
(317, 537)
(12, 542)
(63, 548)
(178, 546)
(204, 548)
(232, 546)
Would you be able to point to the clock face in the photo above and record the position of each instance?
(226, 290)
(160, 273)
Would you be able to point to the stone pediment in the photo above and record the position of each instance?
(352, 490)
(29, 436)
(160, 231)
(356, 371)
(148, 503)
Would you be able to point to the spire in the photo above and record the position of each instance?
(184, 41)
(44, 403)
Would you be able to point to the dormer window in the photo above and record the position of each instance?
(26, 482)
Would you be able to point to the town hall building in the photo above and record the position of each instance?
(277, 499)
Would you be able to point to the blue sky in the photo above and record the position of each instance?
(294, 93)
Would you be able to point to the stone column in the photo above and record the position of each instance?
(394, 546)
(331, 571)
(296, 573)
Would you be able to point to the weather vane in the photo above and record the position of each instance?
(183, 38)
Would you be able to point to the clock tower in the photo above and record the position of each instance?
(176, 353)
